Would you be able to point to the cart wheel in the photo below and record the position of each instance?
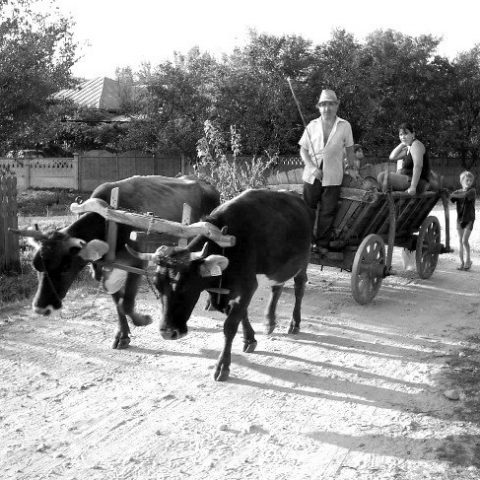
(368, 269)
(428, 247)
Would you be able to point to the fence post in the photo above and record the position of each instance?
(75, 172)
(9, 246)
(28, 168)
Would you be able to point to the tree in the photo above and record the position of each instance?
(341, 65)
(255, 94)
(462, 115)
(37, 52)
(402, 75)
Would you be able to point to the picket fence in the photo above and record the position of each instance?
(9, 246)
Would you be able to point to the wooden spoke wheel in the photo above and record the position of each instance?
(368, 269)
(428, 247)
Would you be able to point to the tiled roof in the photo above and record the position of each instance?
(101, 92)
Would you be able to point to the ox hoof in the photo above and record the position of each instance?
(221, 374)
(141, 320)
(120, 343)
(293, 329)
(249, 346)
(269, 328)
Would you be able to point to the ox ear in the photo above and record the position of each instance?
(213, 266)
(114, 280)
(93, 250)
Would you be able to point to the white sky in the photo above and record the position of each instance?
(117, 33)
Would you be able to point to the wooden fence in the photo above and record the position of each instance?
(97, 167)
(9, 247)
(86, 171)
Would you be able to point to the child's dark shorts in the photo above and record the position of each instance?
(465, 225)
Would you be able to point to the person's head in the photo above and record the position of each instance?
(406, 133)
(358, 150)
(328, 104)
(466, 179)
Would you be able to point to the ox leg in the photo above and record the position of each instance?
(249, 342)
(122, 336)
(128, 304)
(300, 280)
(237, 313)
(270, 317)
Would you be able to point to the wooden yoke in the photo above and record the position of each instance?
(186, 219)
(154, 224)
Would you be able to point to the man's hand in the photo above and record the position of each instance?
(318, 174)
(412, 190)
(354, 173)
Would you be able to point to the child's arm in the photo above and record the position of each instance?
(471, 194)
(458, 194)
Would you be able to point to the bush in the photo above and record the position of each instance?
(18, 286)
(35, 202)
(229, 176)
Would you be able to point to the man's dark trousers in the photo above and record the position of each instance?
(327, 199)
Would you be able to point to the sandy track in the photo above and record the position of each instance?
(357, 394)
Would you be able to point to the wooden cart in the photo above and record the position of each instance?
(367, 221)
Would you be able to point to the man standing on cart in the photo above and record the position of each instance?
(324, 145)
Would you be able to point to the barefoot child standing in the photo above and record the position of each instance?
(465, 200)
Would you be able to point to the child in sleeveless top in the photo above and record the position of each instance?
(465, 202)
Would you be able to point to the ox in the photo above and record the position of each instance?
(273, 237)
(62, 254)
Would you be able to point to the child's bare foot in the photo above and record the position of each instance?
(467, 265)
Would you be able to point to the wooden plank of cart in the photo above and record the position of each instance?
(369, 224)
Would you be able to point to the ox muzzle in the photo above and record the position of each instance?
(172, 333)
(43, 310)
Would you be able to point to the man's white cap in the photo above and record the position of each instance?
(327, 96)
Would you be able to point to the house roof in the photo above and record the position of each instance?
(101, 92)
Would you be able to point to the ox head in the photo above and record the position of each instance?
(58, 259)
(180, 277)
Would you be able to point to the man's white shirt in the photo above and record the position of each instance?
(327, 154)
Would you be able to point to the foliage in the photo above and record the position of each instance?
(385, 80)
(229, 175)
(36, 202)
(37, 52)
(18, 286)
(255, 95)
(462, 119)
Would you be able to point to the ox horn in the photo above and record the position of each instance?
(140, 255)
(35, 234)
(201, 254)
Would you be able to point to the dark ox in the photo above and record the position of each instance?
(273, 237)
(62, 254)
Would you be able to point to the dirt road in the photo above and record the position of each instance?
(358, 394)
